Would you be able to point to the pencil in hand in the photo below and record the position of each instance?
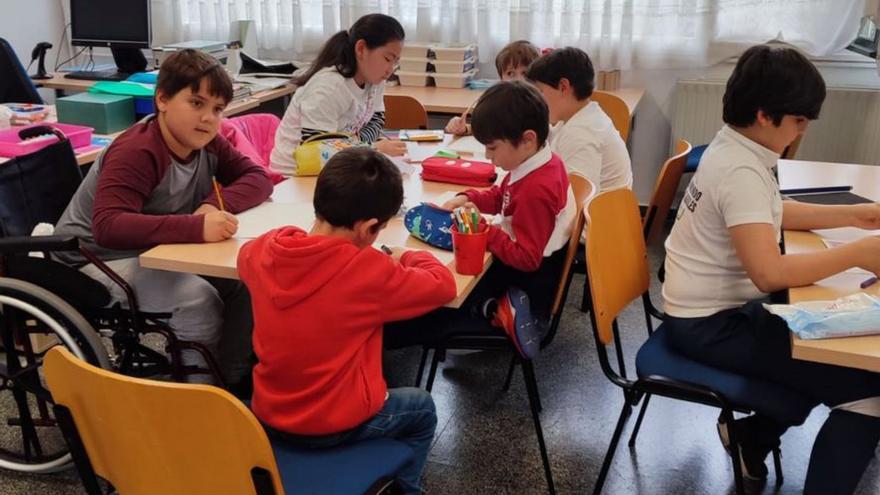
(217, 192)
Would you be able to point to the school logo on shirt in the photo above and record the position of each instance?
(505, 200)
(691, 196)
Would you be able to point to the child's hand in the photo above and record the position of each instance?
(205, 208)
(219, 226)
(866, 216)
(394, 251)
(460, 200)
(457, 126)
(391, 147)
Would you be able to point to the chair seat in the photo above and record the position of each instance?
(350, 469)
(78, 289)
(656, 357)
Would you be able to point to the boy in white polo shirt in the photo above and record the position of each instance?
(723, 258)
(582, 134)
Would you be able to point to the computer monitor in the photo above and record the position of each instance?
(122, 25)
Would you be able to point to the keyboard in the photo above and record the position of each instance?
(97, 75)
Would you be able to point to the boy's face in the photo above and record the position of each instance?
(377, 65)
(508, 156)
(514, 73)
(192, 119)
(777, 138)
(555, 99)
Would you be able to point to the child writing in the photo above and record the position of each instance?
(320, 300)
(343, 90)
(154, 185)
(534, 208)
(511, 63)
(723, 258)
(585, 138)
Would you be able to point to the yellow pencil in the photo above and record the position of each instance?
(217, 192)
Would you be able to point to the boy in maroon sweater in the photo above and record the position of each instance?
(153, 185)
(320, 301)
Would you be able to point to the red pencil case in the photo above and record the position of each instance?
(458, 171)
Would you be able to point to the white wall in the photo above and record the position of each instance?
(24, 23)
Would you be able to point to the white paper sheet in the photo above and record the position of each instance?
(267, 216)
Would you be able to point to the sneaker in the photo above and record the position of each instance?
(515, 317)
(751, 453)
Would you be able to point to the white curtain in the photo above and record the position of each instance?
(620, 34)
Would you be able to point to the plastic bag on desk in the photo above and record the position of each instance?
(857, 314)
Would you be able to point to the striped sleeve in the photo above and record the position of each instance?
(308, 133)
(371, 131)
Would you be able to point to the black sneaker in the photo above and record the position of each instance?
(752, 453)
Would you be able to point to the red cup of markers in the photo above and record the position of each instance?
(469, 249)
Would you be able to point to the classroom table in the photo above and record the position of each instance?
(291, 204)
(59, 82)
(855, 352)
(457, 100)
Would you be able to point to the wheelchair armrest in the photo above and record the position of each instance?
(24, 244)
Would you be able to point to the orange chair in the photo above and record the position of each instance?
(149, 437)
(616, 109)
(664, 192)
(404, 112)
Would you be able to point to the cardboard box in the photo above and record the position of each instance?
(103, 112)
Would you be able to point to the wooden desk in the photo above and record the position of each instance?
(292, 205)
(456, 101)
(855, 352)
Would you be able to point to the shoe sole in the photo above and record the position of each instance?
(527, 339)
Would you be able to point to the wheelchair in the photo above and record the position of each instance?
(44, 303)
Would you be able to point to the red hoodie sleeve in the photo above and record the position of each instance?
(532, 221)
(416, 285)
(245, 183)
(487, 200)
(128, 177)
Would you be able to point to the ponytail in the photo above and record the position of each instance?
(338, 52)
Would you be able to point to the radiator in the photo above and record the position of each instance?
(847, 131)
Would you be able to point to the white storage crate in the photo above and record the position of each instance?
(456, 51)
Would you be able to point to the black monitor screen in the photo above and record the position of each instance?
(102, 22)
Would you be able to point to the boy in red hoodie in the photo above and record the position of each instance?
(320, 299)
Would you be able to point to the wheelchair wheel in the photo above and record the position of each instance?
(32, 320)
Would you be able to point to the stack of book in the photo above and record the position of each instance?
(608, 80)
(240, 91)
(217, 49)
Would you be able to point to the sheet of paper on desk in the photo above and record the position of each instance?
(844, 234)
(257, 221)
(835, 237)
(467, 144)
(417, 153)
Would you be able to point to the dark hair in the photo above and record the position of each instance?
(375, 29)
(507, 110)
(356, 184)
(519, 53)
(777, 80)
(187, 68)
(569, 63)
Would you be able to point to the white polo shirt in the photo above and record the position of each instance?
(328, 102)
(591, 146)
(734, 185)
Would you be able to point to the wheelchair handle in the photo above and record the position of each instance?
(40, 130)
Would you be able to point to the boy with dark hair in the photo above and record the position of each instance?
(534, 209)
(511, 63)
(723, 258)
(153, 185)
(320, 301)
(583, 135)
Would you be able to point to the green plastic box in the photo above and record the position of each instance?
(105, 113)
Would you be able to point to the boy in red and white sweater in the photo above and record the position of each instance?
(320, 300)
(534, 209)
